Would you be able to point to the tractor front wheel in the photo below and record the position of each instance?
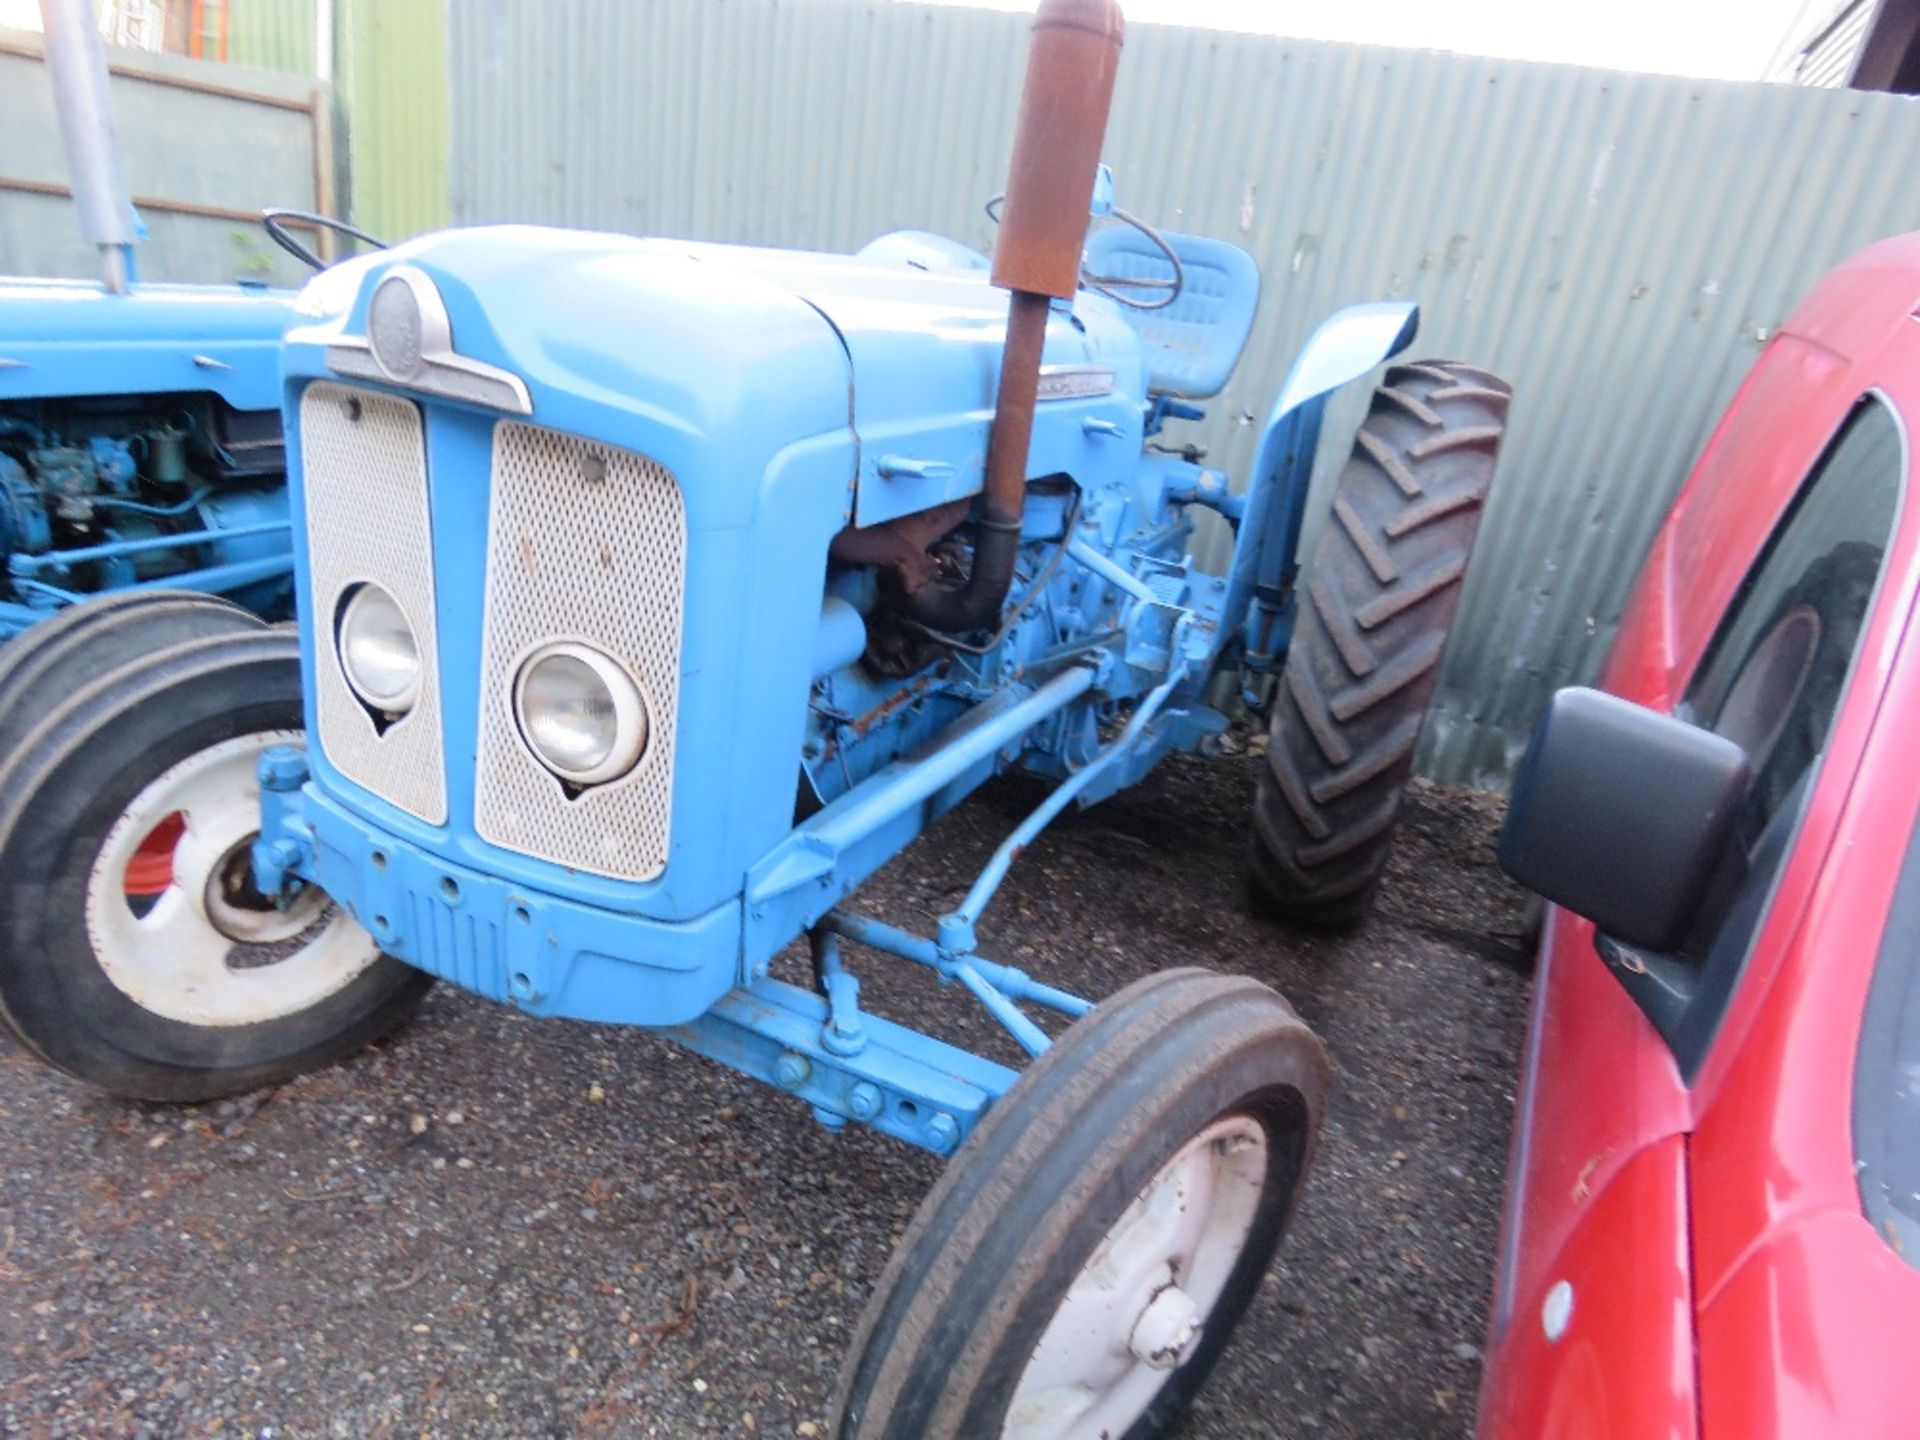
(146, 774)
(1377, 600)
(78, 645)
(1079, 1267)
(74, 647)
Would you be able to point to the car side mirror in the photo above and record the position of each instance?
(1623, 814)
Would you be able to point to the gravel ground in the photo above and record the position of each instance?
(494, 1226)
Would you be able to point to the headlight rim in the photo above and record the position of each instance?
(402, 703)
(633, 714)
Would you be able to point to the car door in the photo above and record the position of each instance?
(1593, 1326)
(1803, 1285)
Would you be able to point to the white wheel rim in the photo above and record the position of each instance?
(175, 960)
(1137, 1309)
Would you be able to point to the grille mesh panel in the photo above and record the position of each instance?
(588, 543)
(367, 519)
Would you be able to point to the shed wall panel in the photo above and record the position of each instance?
(192, 132)
(1618, 245)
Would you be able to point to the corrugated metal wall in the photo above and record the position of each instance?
(272, 35)
(390, 88)
(1830, 59)
(393, 84)
(1619, 245)
(211, 144)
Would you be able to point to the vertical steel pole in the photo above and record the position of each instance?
(77, 64)
(323, 41)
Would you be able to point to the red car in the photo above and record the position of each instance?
(1713, 1222)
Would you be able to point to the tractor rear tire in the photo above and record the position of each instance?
(1377, 601)
(1159, 1146)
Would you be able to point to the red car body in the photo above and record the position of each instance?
(1709, 1232)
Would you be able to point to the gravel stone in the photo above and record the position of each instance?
(294, 1264)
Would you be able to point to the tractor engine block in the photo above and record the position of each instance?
(103, 493)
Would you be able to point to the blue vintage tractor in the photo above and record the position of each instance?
(140, 440)
(140, 445)
(655, 594)
(140, 437)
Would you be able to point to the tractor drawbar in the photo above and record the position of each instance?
(1043, 226)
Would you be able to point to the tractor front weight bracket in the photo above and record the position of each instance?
(912, 1086)
(849, 1064)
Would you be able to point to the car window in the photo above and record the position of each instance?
(1772, 679)
(1886, 1101)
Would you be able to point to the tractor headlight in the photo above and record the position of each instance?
(580, 713)
(378, 650)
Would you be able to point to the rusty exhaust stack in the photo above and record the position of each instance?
(1043, 226)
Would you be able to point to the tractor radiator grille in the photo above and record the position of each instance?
(367, 519)
(588, 543)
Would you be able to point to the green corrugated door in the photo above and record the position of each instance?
(393, 78)
(272, 34)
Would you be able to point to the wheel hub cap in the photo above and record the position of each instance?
(235, 907)
(1167, 1329)
(210, 949)
(1139, 1307)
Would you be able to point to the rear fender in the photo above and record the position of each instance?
(1258, 612)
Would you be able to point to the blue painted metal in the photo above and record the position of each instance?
(1193, 344)
(97, 488)
(71, 337)
(1032, 1038)
(545, 953)
(957, 929)
(842, 637)
(1016, 984)
(998, 987)
(1101, 205)
(843, 1033)
(14, 618)
(918, 1089)
(59, 562)
(815, 848)
(239, 579)
(114, 463)
(921, 250)
(1114, 574)
(1265, 556)
(792, 397)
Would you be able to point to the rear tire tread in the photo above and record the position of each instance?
(1377, 603)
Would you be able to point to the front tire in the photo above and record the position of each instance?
(1080, 1265)
(1377, 601)
(208, 988)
